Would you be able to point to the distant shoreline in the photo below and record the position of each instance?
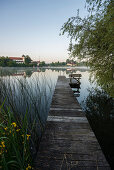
(67, 67)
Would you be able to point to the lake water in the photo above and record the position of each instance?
(34, 87)
(31, 90)
(50, 75)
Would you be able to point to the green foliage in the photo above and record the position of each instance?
(93, 36)
(56, 64)
(42, 64)
(14, 142)
(27, 60)
(5, 61)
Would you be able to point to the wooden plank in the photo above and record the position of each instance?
(75, 75)
(70, 113)
(68, 141)
(73, 156)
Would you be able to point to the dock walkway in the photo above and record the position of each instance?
(68, 142)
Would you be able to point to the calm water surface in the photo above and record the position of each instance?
(50, 75)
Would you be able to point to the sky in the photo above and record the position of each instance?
(32, 27)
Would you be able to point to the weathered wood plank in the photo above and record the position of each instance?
(75, 75)
(71, 113)
(68, 141)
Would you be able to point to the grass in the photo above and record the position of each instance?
(24, 103)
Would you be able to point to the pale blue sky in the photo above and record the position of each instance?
(32, 27)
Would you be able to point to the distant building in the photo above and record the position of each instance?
(37, 62)
(20, 60)
(71, 64)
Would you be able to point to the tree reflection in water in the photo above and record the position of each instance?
(104, 76)
(99, 108)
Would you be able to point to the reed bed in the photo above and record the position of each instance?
(25, 103)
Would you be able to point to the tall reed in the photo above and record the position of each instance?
(28, 98)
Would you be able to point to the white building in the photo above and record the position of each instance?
(20, 60)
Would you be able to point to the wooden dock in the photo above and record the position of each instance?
(68, 142)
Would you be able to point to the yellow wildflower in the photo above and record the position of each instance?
(5, 128)
(3, 145)
(29, 167)
(14, 124)
(10, 131)
(28, 136)
(17, 130)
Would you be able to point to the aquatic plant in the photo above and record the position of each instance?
(28, 98)
(14, 142)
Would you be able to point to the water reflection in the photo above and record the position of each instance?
(23, 84)
(18, 72)
(50, 74)
(105, 78)
(99, 108)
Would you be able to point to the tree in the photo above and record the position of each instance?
(93, 36)
(6, 62)
(27, 59)
(11, 63)
(42, 64)
(23, 55)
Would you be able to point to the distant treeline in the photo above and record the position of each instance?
(55, 64)
(7, 62)
(60, 64)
